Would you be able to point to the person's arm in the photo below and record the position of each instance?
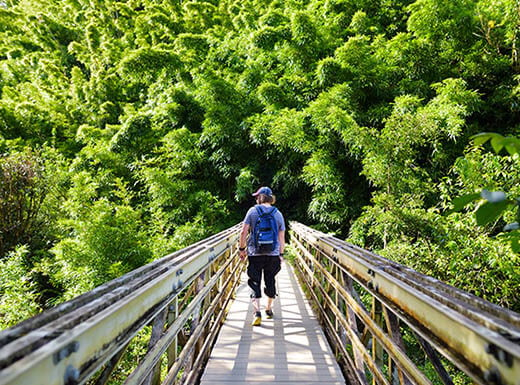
(242, 244)
(281, 241)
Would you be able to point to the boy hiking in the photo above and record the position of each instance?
(264, 248)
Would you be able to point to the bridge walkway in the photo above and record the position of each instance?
(289, 349)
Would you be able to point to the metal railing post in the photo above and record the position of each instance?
(173, 312)
(154, 378)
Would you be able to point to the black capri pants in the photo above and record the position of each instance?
(269, 265)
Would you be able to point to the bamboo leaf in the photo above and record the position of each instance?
(497, 143)
(460, 202)
(489, 212)
(481, 138)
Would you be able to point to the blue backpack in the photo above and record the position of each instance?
(266, 230)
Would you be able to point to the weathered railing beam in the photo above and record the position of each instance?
(354, 377)
(478, 337)
(375, 331)
(231, 281)
(162, 344)
(75, 340)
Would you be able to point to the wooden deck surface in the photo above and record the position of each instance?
(288, 349)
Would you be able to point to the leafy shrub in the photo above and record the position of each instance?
(18, 292)
(22, 190)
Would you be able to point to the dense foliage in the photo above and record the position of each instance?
(132, 128)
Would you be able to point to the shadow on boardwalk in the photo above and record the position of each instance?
(288, 349)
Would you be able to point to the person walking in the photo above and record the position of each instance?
(262, 240)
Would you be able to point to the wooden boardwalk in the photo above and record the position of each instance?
(288, 349)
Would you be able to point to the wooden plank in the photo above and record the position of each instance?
(264, 383)
(288, 349)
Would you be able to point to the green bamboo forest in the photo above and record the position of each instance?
(131, 129)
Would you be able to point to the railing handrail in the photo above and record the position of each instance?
(40, 320)
(481, 338)
(70, 342)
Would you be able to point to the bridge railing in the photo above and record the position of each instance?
(380, 315)
(375, 312)
(182, 297)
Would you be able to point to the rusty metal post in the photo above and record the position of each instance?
(222, 278)
(207, 301)
(196, 285)
(200, 282)
(340, 305)
(311, 265)
(342, 308)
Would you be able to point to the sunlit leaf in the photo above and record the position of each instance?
(497, 143)
(460, 202)
(481, 138)
(489, 212)
(512, 145)
(515, 245)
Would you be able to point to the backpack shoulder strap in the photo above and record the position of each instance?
(259, 210)
(273, 218)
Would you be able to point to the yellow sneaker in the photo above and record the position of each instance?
(269, 313)
(257, 320)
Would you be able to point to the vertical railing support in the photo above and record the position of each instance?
(198, 286)
(110, 366)
(173, 312)
(377, 349)
(392, 324)
(434, 359)
(154, 378)
(348, 284)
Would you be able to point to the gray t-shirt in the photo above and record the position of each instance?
(251, 218)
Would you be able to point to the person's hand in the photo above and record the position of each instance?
(242, 254)
(281, 258)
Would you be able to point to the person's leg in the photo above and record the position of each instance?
(254, 272)
(269, 308)
(271, 268)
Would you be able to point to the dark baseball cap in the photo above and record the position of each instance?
(263, 190)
